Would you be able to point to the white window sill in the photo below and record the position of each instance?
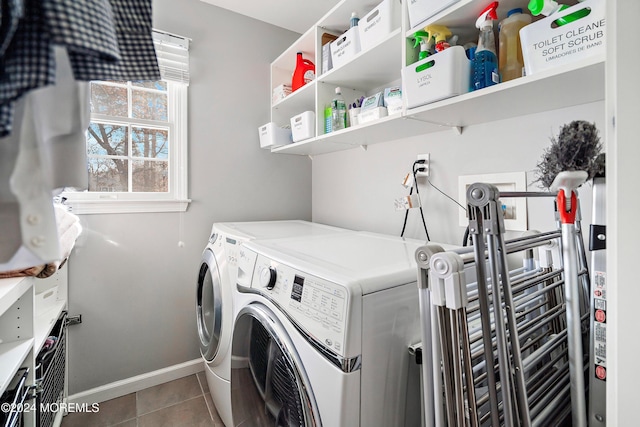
(86, 207)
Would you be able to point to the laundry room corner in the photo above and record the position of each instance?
(357, 188)
(133, 276)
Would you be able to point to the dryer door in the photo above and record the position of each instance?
(274, 377)
(209, 306)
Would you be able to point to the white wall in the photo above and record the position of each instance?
(357, 188)
(623, 206)
(132, 284)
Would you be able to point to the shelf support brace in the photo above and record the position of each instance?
(457, 129)
(364, 147)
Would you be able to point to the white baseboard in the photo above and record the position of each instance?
(137, 383)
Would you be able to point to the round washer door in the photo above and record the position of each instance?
(272, 389)
(209, 305)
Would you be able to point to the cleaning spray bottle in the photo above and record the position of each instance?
(511, 63)
(305, 72)
(440, 33)
(484, 66)
(425, 41)
(549, 7)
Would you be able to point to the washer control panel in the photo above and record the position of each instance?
(318, 306)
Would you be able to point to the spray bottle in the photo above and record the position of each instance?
(425, 41)
(440, 33)
(549, 7)
(484, 66)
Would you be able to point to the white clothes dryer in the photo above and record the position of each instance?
(216, 289)
(324, 330)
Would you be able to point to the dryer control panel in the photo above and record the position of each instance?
(317, 306)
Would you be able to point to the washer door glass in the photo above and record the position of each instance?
(209, 306)
(272, 389)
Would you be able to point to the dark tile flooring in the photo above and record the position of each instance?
(185, 402)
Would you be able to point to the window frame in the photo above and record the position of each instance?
(176, 198)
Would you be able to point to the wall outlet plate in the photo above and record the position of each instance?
(514, 209)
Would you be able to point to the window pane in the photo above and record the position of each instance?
(109, 100)
(153, 143)
(150, 176)
(149, 105)
(159, 85)
(108, 174)
(107, 139)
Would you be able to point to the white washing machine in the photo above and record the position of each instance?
(323, 332)
(216, 290)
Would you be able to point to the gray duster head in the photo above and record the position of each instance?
(575, 149)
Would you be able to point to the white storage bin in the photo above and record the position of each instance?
(303, 126)
(421, 10)
(372, 114)
(545, 47)
(378, 24)
(272, 136)
(345, 47)
(448, 76)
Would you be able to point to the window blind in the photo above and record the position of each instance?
(173, 56)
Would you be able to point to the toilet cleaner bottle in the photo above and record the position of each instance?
(484, 66)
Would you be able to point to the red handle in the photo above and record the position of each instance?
(567, 216)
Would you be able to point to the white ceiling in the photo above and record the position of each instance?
(294, 15)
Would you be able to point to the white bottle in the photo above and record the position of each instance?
(338, 112)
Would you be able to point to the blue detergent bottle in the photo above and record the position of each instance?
(484, 66)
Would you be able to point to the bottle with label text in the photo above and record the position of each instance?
(338, 112)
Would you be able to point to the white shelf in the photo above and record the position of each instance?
(558, 88)
(12, 356)
(44, 322)
(11, 289)
(371, 68)
(299, 101)
(578, 83)
(382, 130)
(575, 84)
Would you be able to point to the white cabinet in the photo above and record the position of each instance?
(29, 309)
(380, 66)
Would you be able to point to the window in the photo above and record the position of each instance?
(136, 141)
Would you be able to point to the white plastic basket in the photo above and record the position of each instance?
(546, 45)
(272, 136)
(345, 47)
(303, 126)
(447, 76)
(378, 24)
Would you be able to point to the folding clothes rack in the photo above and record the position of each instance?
(500, 355)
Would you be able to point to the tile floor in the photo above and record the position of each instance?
(185, 402)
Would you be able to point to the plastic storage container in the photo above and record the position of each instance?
(448, 75)
(378, 24)
(303, 126)
(345, 47)
(546, 45)
(272, 136)
(510, 62)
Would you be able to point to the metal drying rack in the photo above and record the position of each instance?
(499, 355)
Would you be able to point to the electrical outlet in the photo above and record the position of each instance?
(425, 165)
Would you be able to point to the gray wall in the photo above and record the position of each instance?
(357, 188)
(128, 278)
